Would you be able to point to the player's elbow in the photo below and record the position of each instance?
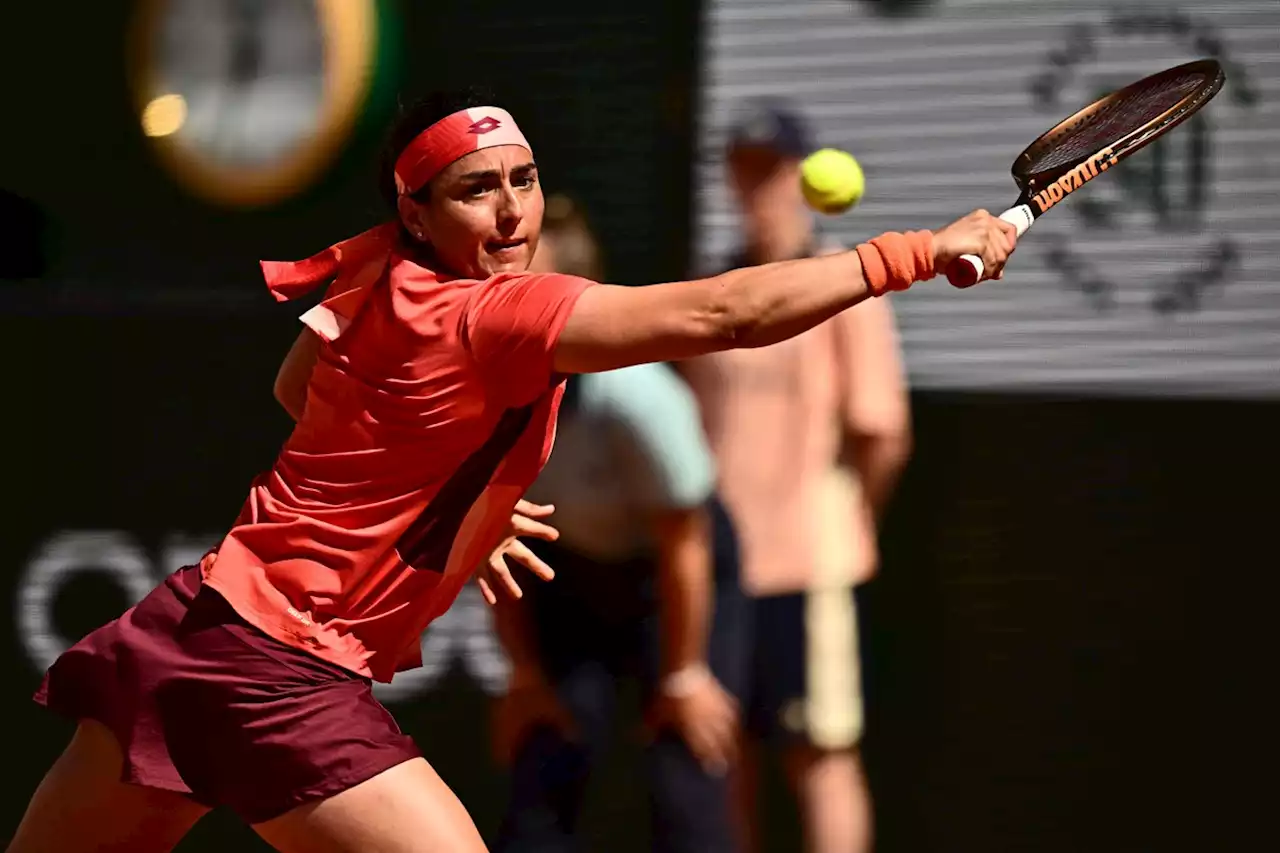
(295, 373)
(288, 395)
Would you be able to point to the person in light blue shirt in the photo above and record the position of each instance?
(632, 447)
(646, 586)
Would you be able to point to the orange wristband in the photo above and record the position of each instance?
(895, 261)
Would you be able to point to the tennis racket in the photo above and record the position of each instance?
(1085, 145)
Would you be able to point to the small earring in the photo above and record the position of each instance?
(421, 236)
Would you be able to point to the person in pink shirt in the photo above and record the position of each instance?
(810, 436)
(425, 384)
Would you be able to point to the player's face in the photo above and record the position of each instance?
(485, 212)
(766, 183)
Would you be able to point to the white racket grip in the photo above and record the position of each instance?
(967, 270)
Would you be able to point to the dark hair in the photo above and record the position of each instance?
(414, 119)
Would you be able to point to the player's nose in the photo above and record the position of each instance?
(510, 209)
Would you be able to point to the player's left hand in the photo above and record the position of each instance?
(705, 716)
(497, 573)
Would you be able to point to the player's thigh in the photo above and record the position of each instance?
(406, 809)
(81, 805)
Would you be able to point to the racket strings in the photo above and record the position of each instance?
(1115, 119)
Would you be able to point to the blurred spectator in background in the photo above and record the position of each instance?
(641, 537)
(810, 436)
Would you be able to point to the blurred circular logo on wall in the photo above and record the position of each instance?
(247, 103)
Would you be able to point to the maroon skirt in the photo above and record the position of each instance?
(206, 705)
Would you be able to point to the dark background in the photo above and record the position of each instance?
(1067, 648)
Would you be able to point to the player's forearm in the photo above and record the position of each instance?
(763, 305)
(685, 590)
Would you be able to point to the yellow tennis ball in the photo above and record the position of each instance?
(832, 181)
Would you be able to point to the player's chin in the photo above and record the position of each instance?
(511, 256)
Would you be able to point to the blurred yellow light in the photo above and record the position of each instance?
(164, 116)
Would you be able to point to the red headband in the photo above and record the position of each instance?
(452, 138)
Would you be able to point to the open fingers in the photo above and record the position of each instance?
(523, 555)
(500, 573)
(487, 591)
(534, 510)
(523, 526)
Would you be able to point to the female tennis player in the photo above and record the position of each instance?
(245, 682)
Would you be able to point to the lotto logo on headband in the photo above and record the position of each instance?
(485, 125)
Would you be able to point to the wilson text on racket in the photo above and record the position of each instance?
(1073, 180)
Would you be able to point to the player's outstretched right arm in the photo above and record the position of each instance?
(612, 327)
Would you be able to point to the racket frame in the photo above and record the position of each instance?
(1043, 191)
